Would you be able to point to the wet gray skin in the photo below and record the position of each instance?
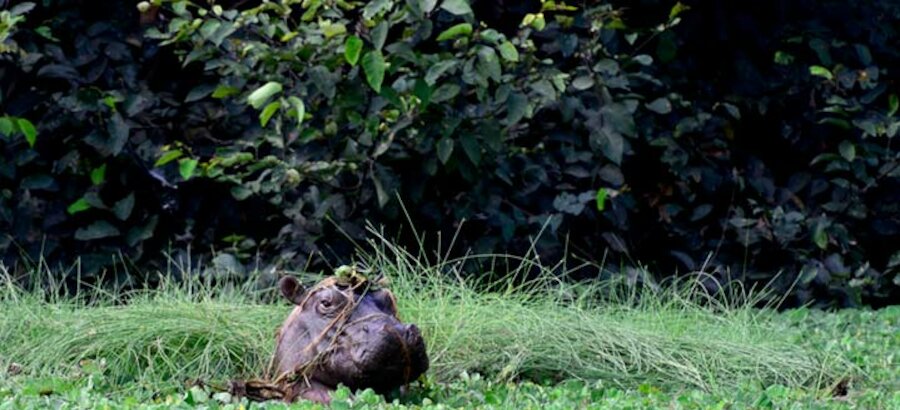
(342, 335)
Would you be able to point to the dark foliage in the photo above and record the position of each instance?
(746, 140)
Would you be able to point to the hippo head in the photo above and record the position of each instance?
(347, 333)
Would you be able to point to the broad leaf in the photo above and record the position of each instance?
(168, 157)
(122, 208)
(78, 206)
(268, 112)
(444, 149)
(262, 94)
(98, 175)
(821, 72)
(28, 130)
(373, 66)
(352, 49)
(186, 167)
(96, 230)
(508, 51)
(459, 30)
(457, 7)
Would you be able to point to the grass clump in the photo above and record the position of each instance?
(540, 329)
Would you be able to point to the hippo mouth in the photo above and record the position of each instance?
(381, 355)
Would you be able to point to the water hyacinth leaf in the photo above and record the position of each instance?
(28, 130)
(373, 65)
(352, 49)
(457, 31)
(80, 205)
(268, 112)
(893, 104)
(98, 175)
(508, 51)
(457, 7)
(96, 230)
(186, 167)
(168, 157)
(261, 95)
(821, 72)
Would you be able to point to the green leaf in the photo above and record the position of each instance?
(444, 149)
(28, 129)
(186, 167)
(141, 232)
(98, 175)
(471, 147)
(122, 209)
(78, 206)
(820, 71)
(224, 91)
(660, 106)
(583, 82)
(602, 194)
(437, 70)
(820, 237)
(332, 30)
(508, 51)
(379, 34)
(262, 94)
(893, 105)
(516, 108)
(459, 30)
(96, 230)
(457, 7)
(488, 64)
(373, 65)
(268, 112)
(427, 5)
(445, 92)
(6, 126)
(677, 9)
(168, 157)
(375, 7)
(847, 150)
(299, 108)
(352, 49)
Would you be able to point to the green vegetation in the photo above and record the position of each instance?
(744, 139)
(612, 346)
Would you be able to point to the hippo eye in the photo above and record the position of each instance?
(325, 303)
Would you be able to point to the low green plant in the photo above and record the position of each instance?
(536, 329)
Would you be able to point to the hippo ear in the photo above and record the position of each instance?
(291, 289)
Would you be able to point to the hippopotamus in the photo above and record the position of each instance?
(344, 331)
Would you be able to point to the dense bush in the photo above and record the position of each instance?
(275, 128)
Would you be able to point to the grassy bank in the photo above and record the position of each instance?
(606, 343)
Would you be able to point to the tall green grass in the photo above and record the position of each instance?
(540, 328)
